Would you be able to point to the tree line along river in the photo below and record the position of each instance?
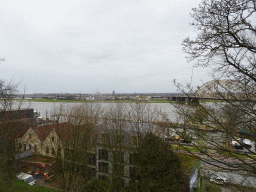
(46, 108)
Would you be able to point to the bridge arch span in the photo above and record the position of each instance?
(225, 89)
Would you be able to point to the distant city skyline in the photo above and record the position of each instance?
(135, 93)
(104, 45)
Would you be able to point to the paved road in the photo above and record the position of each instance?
(232, 177)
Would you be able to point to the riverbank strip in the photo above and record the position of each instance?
(113, 101)
(97, 101)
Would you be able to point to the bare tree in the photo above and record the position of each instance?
(75, 145)
(226, 43)
(10, 128)
(125, 126)
(7, 93)
(116, 132)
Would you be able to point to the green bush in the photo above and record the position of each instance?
(97, 185)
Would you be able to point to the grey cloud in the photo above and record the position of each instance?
(83, 45)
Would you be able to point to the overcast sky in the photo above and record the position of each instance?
(97, 45)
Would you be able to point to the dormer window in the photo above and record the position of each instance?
(135, 141)
(30, 135)
(52, 139)
(103, 138)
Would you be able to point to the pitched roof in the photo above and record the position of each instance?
(44, 130)
(17, 128)
(67, 131)
(63, 130)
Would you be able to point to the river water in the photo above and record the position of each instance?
(45, 109)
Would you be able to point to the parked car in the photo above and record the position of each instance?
(218, 179)
(235, 143)
(28, 178)
(247, 143)
(172, 137)
(243, 143)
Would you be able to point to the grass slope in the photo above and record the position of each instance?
(21, 186)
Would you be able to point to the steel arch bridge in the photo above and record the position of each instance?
(219, 89)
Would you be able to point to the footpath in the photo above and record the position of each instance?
(217, 157)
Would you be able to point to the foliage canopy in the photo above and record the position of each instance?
(159, 166)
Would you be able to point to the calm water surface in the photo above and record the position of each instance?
(46, 108)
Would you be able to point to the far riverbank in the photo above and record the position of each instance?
(99, 101)
(111, 101)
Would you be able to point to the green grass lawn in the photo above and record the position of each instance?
(52, 100)
(187, 161)
(192, 149)
(21, 186)
(239, 156)
(208, 186)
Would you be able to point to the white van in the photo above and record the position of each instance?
(28, 178)
(218, 179)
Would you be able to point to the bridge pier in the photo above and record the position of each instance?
(179, 99)
(192, 101)
(187, 100)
